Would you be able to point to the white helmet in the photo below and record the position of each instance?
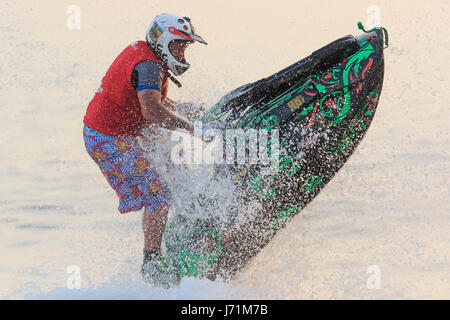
(166, 28)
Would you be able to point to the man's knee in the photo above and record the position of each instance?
(159, 213)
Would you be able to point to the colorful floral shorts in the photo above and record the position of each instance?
(122, 163)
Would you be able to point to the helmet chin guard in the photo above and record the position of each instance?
(166, 28)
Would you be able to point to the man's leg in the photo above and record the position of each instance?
(153, 225)
(156, 269)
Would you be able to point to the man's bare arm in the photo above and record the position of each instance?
(155, 113)
(169, 104)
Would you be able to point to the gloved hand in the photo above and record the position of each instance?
(206, 132)
(209, 132)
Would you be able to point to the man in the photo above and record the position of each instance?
(132, 96)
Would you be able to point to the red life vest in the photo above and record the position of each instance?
(115, 109)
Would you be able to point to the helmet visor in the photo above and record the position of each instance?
(196, 37)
